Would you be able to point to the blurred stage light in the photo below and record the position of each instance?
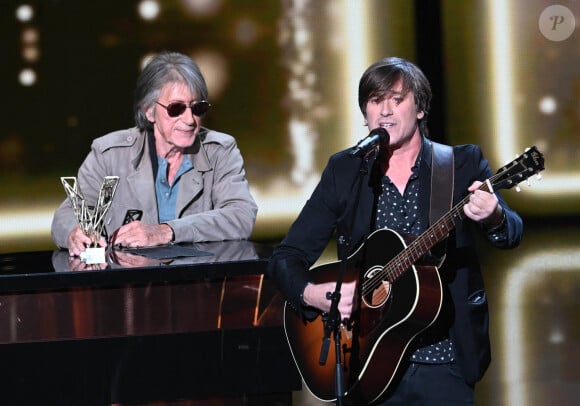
(246, 31)
(26, 222)
(30, 54)
(501, 69)
(30, 50)
(358, 57)
(27, 77)
(215, 68)
(149, 10)
(202, 7)
(24, 13)
(30, 35)
(548, 105)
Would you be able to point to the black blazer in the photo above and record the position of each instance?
(326, 215)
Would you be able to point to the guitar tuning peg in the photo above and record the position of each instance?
(539, 176)
(527, 149)
(528, 182)
(518, 189)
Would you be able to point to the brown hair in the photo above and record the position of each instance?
(381, 76)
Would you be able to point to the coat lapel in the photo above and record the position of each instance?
(140, 184)
(192, 182)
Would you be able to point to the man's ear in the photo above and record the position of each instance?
(420, 114)
(149, 114)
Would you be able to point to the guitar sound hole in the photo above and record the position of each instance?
(378, 296)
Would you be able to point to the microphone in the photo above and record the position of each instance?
(375, 137)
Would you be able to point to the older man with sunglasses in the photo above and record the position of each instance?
(187, 183)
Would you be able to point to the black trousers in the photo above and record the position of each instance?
(430, 384)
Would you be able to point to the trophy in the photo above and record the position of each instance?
(91, 219)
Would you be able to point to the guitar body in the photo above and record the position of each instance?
(375, 340)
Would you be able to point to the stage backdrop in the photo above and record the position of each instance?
(283, 80)
(283, 77)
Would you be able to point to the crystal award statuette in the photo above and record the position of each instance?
(91, 219)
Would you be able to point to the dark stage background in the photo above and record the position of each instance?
(282, 77)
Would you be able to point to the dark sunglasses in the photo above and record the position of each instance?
(198, 108)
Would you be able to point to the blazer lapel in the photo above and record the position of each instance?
(425, 183)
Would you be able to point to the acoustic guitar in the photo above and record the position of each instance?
(398, 299)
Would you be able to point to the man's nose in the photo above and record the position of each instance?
(188, 116)
(386, 108)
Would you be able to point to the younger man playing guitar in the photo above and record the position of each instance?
(427, 341)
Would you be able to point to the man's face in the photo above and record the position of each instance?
(174, 132)
(395, 112)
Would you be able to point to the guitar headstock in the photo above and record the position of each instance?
(527, 164)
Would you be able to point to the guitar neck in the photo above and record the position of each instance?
(422, 244)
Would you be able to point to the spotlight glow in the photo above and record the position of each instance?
(548, 105)
(27, 77)
(215, 68)
(358, 55)
(30, 35)
(24, 13)
(501, 67)
(202, 7)
(30, 54)
(149, 10)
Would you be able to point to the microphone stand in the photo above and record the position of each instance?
(331, 320)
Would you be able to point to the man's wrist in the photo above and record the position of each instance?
(302, 301)
(171, 233)
(497, 220)
(497, 224)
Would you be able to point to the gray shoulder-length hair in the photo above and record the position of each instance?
(165, 67)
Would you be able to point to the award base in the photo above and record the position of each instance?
(93, 256)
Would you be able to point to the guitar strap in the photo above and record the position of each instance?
(442, 181)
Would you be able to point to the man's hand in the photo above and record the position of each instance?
(483, 206)
(315, 296)
(138, 234)
(79, 241)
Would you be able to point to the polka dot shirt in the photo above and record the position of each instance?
(401, 213)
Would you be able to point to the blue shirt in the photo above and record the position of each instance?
(166, 193)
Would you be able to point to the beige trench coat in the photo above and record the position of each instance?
(214, 202)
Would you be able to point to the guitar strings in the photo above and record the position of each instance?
(391, 271)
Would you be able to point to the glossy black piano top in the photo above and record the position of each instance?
(36, 270)
(142, 329)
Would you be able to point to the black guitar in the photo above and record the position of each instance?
(399, 299)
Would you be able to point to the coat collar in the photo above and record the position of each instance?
(142, 178)
(196, 153)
